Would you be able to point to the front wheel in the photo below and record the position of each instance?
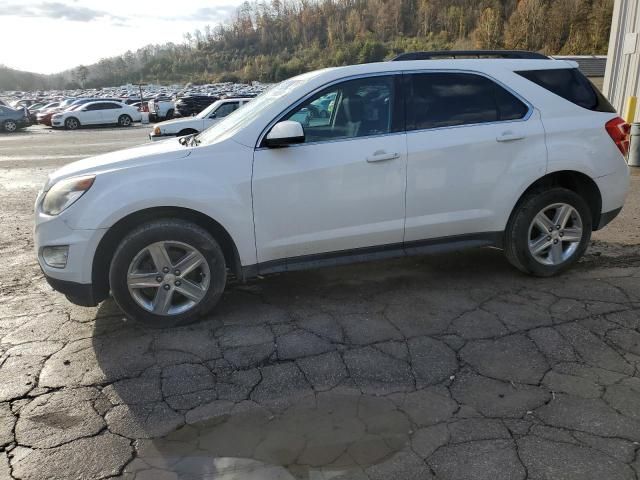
(548, 232)
(10, 126)
(124, 120)
(167, 272)
(71, 123)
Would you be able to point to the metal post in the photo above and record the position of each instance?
(630, 114)
(634, 146)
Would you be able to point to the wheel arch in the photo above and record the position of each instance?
(110, 241)
(575, 181)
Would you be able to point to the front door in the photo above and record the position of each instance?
(343, 188)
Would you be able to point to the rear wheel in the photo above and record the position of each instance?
(167, 272)
(10, 126)
(71, 123)
(548, 232)
(124, 120)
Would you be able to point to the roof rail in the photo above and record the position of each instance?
(520, 54)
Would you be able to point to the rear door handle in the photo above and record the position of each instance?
(382, 157)
(509, 137)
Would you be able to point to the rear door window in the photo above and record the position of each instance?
(572, 85)
(436, 100)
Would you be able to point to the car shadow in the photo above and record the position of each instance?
(305, 374)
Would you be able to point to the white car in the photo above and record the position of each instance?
(186, 126)
(97, 113)
(415, 157)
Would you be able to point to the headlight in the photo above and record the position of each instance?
(64, 193)
(156, 131)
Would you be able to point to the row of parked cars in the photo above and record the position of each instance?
(119, 105)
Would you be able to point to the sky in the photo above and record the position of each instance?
(52, 36)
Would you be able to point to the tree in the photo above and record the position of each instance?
(80, 75)
(488, 34)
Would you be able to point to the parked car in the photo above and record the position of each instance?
(193, 104)
(189, 125)
(416, 157)
(13, 119)
(96, 113)
(161, 109)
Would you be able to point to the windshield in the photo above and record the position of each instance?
(239, 119)
(205, 113)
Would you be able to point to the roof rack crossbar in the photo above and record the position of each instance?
(513, 54)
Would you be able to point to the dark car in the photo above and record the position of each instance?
(193, 104)
(12, 119)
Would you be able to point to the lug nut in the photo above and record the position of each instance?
(557, 227)
(178, 283)
(551, 229)
(167, 287)
(165, 269)
(555, 241)
(549, 238)
(159, 278)
(177, 272)
(561, 234)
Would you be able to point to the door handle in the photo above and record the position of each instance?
(381, 156)
(509, 137)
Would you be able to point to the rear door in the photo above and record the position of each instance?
(472, 146)
(110, 112)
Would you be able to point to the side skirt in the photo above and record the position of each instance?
(344, 257)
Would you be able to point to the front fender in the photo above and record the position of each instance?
(218, 187)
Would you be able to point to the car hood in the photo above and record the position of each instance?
(179, 123)
(131, 157)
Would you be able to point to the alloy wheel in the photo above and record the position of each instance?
(555, 234)
(10, 126)
(168, 278)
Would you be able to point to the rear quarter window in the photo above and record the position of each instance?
(572, 85)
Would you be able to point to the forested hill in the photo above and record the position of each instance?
(271, 41)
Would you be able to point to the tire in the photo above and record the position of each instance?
(124, 120)
(169, 114)
(186, 131)
(133, 258)
(71, 123)
(557, 248)
(10, 126)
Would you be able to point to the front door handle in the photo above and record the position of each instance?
(381, 156)
(509, 137)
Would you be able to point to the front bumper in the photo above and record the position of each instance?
(156, 138)
(77, 293)
(75, 279)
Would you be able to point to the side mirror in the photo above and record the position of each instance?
(213, 115)
(284, 134)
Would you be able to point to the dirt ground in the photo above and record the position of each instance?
(448, 367)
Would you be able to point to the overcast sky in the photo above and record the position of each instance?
(51, 36)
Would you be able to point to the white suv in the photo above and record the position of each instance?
(409, 157)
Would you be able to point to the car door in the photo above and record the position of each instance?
(110, 112)
(343, 188)
(473, 147)
(220, 112)
(90, 114)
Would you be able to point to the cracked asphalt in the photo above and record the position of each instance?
(448, 367)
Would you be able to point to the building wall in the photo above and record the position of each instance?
(623, 64)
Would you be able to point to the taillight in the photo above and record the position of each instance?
(619, 131)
